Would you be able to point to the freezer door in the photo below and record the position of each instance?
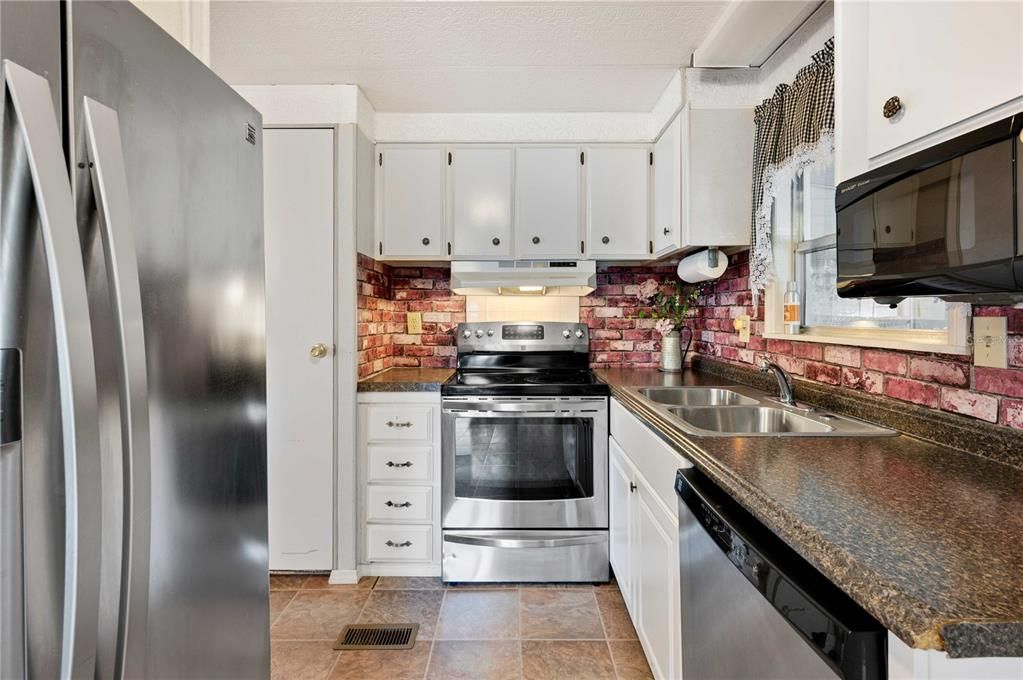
(49, 442)
(191, 151)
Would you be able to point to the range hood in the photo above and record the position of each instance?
(565, 278)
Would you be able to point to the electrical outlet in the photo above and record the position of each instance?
(741, 324)
(990, 341)
(414, 323)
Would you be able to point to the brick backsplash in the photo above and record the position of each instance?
(941, 381)
(386, 293)
(619, 337)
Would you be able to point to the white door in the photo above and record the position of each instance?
(618, 202)
(668, 188)
(480, 188)
(298, 195)
(410, 204)
(548, 202)
(945, 63)
(657, 572)
(620, 503)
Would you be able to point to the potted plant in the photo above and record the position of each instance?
(670, 307)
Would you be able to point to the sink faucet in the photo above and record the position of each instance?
(784, 381)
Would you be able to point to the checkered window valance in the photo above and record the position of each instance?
(794, 129)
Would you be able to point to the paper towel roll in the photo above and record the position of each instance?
(696, 267)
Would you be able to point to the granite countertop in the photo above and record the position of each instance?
(925, 538)
(406, 380)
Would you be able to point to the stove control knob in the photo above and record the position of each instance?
(490, 332)
(467, 334)
(579, 334)
(566, 333)
(479, 333)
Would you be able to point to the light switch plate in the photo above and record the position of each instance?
(990, 341)
(414, 322)
(741, 324)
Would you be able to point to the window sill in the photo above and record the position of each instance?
(896, 342)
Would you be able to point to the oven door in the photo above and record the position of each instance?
(524, 463)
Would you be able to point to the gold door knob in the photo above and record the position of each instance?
(318, 351)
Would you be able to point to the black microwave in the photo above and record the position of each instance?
(944, 222)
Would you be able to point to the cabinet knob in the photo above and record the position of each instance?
(496, 241)
(892, 107)
(605, 240)
(536, 239)
(667, 231)
(318, 351)
(426, 241)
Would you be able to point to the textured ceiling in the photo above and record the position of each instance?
(468, 56)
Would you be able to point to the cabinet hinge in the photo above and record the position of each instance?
(380, 247)
(449, 247)
(582, 158)
(651, 247)
(582, 247)
(380, 159)
(449, 158)
(651, 158)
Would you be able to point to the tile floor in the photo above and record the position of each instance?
(477, 632)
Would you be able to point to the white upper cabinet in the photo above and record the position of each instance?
(668, 188)
(703, 168)
(410, 203)
(943, 68)
(480, 190)
(618, 202)
(548, 201)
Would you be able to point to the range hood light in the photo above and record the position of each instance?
(530, 289)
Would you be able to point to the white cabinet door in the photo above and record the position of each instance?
(410, 202)
(667, 234)
(548, 202)
(480, 182)
(618, 202)
(717, 177)
(945, 63)
(658, 605)
(620, 502)
(298, 191)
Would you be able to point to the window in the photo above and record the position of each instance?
(804, 250)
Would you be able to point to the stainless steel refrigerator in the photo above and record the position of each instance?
(133, 526)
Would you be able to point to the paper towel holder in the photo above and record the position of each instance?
(712, 256)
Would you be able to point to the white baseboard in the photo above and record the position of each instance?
(379, 569)
(343, 576)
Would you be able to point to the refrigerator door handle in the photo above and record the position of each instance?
(36, 125)
(110, 187)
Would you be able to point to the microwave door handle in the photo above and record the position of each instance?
(131, 565)
(31, 102)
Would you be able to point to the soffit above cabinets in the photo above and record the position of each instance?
(472, 56)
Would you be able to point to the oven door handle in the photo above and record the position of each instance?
(512, 542)
(486, 413)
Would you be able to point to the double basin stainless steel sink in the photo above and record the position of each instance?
(741, 411)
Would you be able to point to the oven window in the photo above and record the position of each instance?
(524, 459)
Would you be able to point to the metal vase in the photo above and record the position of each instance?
(673, 353)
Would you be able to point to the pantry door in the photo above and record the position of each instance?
(298, 196)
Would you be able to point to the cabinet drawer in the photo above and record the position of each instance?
(398, 463)
(398, 422)
(653, 459)
(399, 503)
(397, 543)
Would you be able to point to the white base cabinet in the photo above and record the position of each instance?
(399, 483)
(644, 537)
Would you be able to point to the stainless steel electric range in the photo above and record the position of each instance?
(525, 457)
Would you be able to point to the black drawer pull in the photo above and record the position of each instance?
(406, 464)
(392, 504)
(391, 423)
(392, 544)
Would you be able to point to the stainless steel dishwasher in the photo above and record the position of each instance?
(753, 608)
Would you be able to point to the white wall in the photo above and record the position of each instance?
(311, 105)
(187, 21)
